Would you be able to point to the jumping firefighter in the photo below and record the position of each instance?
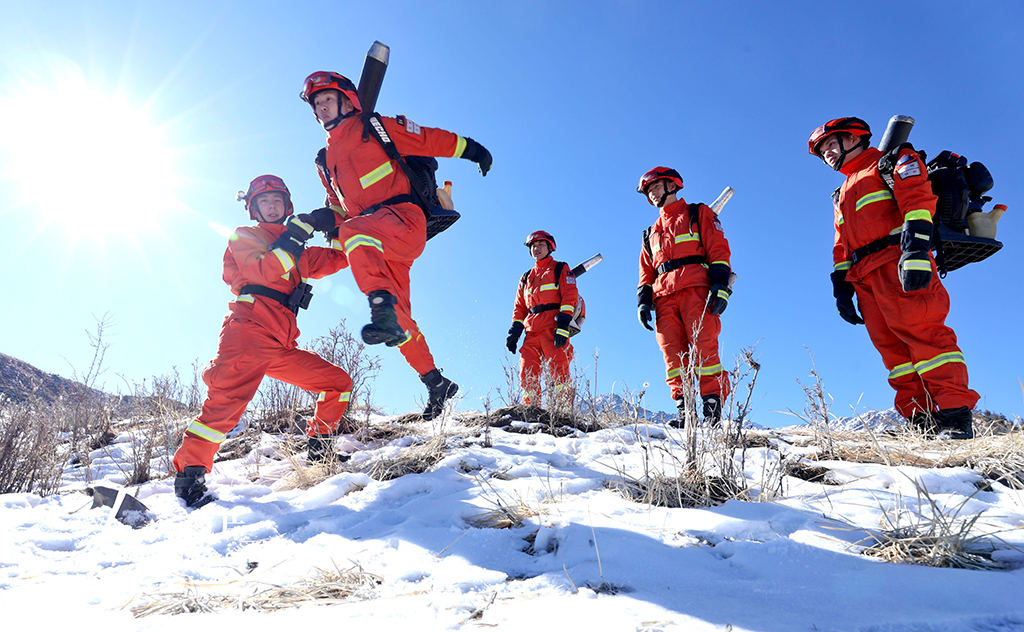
(380, 226)
(544, 305)
(685, 279)
(882, 254)
(266, 266)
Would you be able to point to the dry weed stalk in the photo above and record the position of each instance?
(322, 588)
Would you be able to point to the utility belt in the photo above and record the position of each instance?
(675, 264)
(546, 307)
(298, 299)
(398, 199)
(877, 245)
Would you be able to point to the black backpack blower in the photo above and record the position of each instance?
(960, 188)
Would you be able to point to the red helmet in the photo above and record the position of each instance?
(850, 125)
(541, 235)
(265, 184)
(324, 80)
(658, 173)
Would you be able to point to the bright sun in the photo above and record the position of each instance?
(88, 161)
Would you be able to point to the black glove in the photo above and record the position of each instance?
(322, 219)
(843, 291)
(718, 299)
(644, 301)
(562, 329)
(514, 332)
(915, 270)
(644, 314)
(478, 153)
(916, 235)
(290, 244)
(299, 226)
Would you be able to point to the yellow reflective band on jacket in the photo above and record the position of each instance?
(336, 244)
(205, 432)
(460, 147)
(245, 298)
(687, 237)
(568, 308)
(671, 373)
(714, 369)
(876, 196)
(376, 175)
(548, 286)
(724, 263)
(901, 370)
(408, 337)
(285, 258)
(520, 321)
(355, 241)
(939, 360)
(919, 214)
(841, 220)
(843, 265)
(340, 210)
(655, 247)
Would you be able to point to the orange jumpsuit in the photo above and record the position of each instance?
(538, 303)
(258, 338)
(683, 323)
(926, 367)
(382, 246)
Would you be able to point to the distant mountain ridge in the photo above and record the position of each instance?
(20, 381)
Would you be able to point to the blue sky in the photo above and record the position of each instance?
(190, 101)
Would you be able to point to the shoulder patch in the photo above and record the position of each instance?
(718, 224)
(409, 125)
(570, 279)
(907, 167)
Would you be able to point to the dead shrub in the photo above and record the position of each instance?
(31, 456)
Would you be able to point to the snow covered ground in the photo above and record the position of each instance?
(584, 557)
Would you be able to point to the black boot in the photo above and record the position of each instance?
(321, 451)
(713, 410)
(923, 422)
(383, 325)
(680, 420)
(954, 423)
(190, 486)
(439, 390)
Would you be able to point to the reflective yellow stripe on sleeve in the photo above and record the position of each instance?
(918, 214)
(687, 237)
(287, 262)
(548, 286)
(460, 147)
(568, 308)
(901, 370)
(843, 265)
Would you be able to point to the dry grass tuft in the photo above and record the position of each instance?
(413, 460)
(556, 422)
(920, 545)
(322, 588)
(692, 489)
(505, 516)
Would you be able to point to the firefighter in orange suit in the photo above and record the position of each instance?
(266, 266)
(545, 302)
(882, 254)
(380, 226)
(685, 279)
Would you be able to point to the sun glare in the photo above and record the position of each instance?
(92, 162)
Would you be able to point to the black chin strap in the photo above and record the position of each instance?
(661, 201)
